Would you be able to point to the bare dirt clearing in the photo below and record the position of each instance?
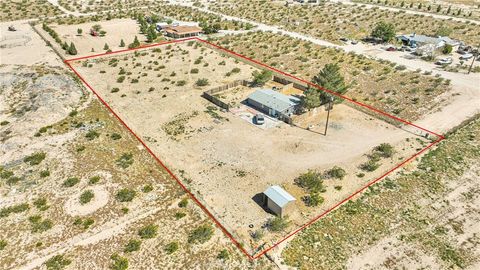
(225, 160)
(24, 47)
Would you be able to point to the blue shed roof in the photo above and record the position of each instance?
(278, 195)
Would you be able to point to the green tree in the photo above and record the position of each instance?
(79, 31)
(151, 33)
(384, 31)
(260, 78)
(331, 79)
(105, 47)
(447, 49)
(135, 43)
(311, 98)
(72, 50)
(122, 43)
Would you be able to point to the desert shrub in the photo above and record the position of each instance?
(181, 83)
(6, 211)
(86, 196)
(183, 203)
(87, 223)
(119, 263)
(313, 199)
(35, 158)
(125, 160)
(57, 262)
(4, 123)
(223, 255)
(125, 195)
(260, 78)
(277, 224)
(336, 172)
(194, 71)
(311, 181)
(132, 245)
(115, 90)
(93, 180)
(44, 173)
(91, 135)
(148, 231)
(41, 204)
(3, 244)
(171, 247)
(39, 225)
(147, 188)
(70, 182)
(385, 150)
(179, 215)
(6, 174)
(120, 79)
(370, 166)
(201, 82)
(201, 234)
(115, 136)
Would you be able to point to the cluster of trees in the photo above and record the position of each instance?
(147, 26)
(70, 49)
(209, 28)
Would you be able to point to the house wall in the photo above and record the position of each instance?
(258, 106)
(274, 207)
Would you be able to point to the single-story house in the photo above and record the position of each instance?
(414, 40)
(273, 103)
(279, 201)
(182, 31)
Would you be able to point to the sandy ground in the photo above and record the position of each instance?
(24, 46)
(228, 162)
(461, 205)
(117, 29)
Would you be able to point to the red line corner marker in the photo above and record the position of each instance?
(204, 208)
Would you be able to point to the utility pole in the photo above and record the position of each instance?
(475, 55)
(328, 108)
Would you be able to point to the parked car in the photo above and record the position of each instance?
(391, 49)
(466, 56)
(444, 61)
(259, 119)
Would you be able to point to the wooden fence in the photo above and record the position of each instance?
(210, 94)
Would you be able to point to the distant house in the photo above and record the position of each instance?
(279, 201)
(414, 40)
(273, 103)
(182, 31)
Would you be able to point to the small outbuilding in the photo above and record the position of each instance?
(278, 201)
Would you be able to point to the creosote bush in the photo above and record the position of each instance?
(148, 231)
(201, 234)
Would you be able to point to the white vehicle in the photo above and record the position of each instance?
(445, 61)
(466, 56)
(259, 119)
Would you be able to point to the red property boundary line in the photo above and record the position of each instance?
(209, 214)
